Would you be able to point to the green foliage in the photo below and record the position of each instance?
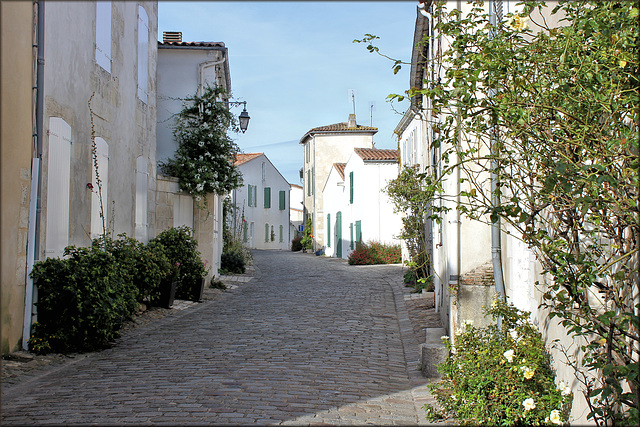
(217, 284)
(182, 251)
(296, 244)
(232, 262)
(204, 162)
(561, 105)
(236, 255)
(307, 235)
(374, 252)
(500, 376)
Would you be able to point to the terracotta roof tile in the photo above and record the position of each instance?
(377, 154)
(339, 127)
(245, 157)
(340, 168)
(195, 44)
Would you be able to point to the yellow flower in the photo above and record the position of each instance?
(528, 372)
(622, 63)
(518, 23)
(554, 417)
(528, 404)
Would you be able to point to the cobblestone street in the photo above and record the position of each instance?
(306, 340)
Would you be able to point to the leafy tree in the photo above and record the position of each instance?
(205, 158)
(557, 111)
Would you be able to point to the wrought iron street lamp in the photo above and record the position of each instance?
(243, 118)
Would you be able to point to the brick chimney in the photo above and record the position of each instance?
(352, 121)
(172, 36)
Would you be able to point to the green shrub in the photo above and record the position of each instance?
(500, 375)
(296, 244)
(375, 253)
(307, 238)
(82, 300)
(232, 262)
(182, 251)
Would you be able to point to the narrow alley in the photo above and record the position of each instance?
(307, 340)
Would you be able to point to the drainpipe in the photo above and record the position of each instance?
(496, 252)
(33, 240)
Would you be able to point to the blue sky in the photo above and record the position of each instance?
(294, 63)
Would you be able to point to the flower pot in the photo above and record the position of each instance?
(167, 294)
(198, 290)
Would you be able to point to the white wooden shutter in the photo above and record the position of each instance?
(141, 231)
(143, 54)
(183, 210)
(103, 34)
(58, 183)
(102, 151)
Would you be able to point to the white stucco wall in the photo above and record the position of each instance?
(257, 216)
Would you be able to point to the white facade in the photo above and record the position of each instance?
(296, 209)
(324, 146)
(184, 69)
(262, 203)
(356, 207)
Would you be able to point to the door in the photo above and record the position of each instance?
(338, 227)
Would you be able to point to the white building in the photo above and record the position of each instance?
(262, 203)
(184, 69)
(355, 205)
(323, 146)
(296, 209)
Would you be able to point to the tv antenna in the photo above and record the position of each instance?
(352, 98)
(372, 106)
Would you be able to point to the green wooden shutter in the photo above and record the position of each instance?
(266, 233)
(281, 234)
(267, 197)
(358, 231)
(351, 187)
(328, 230)
(250, 195)
(351, 236)
(282, 200)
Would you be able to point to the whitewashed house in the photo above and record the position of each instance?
(466, 255)
(296, 209)
(323, 146)
(184, 69)
(262, 203)
(355, 204)
(95, 82)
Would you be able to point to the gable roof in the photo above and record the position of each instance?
(340, 168)
(242, 158)
(377, 154)
(340, 128)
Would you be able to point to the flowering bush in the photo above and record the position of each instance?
(204, 160)
(500, 375)
(375, 253)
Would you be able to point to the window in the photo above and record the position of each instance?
(308, 183)
(267, 197)
(266, 233)
(58, 184)
(281, 234)
(143, 54)
(141, 199)
(328, 230)
(249, 195)
(358, 231)
(282, 200)
(103, 34)
(97, 224)
(273, 235)
(351, 187)
(182, 210)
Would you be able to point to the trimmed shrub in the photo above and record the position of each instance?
(296, 244)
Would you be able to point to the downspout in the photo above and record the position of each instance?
(496, 251)
(33, 239)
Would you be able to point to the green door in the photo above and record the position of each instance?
(338, 227)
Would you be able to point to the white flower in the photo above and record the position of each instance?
(554, 417)
(200, 144)
(514, 335)
(564, 388)
(508, 355)
(528, 404)
(453, 396)
(444, 338)
(199, 187)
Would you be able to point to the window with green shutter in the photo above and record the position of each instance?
(281, 234)
(267, 197)
(351, 236)
(282, 200)
(351, 187)
(328, 230)
(249, 195)
(358, 231)
(266, 233)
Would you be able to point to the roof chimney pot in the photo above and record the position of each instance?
(352, 121)
(172, 36)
